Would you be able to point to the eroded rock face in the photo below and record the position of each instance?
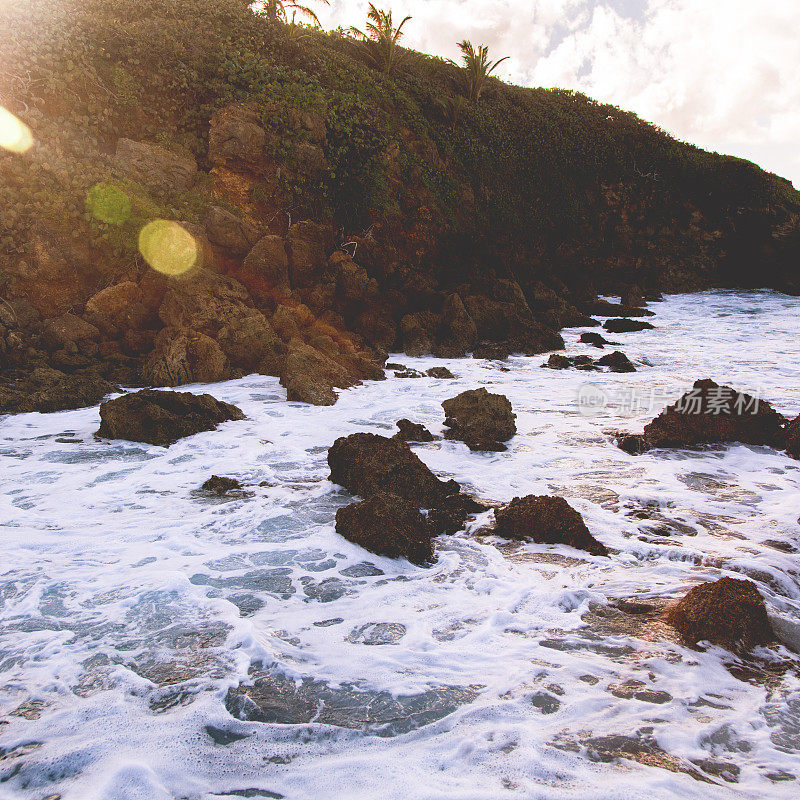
(457, 332)
(594, 339)
(728, 612)
(117, 309)
(793, 438)
(547, 520)
(182, 356)
(161, 418)
(268, 266)
(229, 231)
(236, 137)
(69, 329)
(307, 247)
(481, 420)
(46, 390)
(626, 325)
(710, 414)
(155, 167)
(366, 464)
(387, 525)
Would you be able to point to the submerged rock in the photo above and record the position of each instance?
(278, 699)
(480, 419)
(547, 520)
(440, 373)
(710, 414)
(594, 339)
(387, 525)
(46, 390)
(413, 432)
(161, 418)
(453, 512)
(728, 612)
(220, 485)
(366, 464)
(626, 325)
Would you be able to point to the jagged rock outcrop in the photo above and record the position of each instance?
(616, 362)
(230, 232)
(236, 137)
(594, 339)
(387, 525)
(457, 331)
(183, 356)
(162, 418)
(547, 520)
(365, 464)
(118, 309)
(710, 414)
(483, 421)
(266, 269)
(728, 612)
(793, 438)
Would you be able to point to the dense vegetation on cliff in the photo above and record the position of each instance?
(427, 193)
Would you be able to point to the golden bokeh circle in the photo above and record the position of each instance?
(168, 247)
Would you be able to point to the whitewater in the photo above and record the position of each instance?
(131, 603)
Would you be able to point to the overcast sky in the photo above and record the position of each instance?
(723, 74)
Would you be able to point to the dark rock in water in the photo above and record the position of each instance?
(710, 414)
(493, 351)
(604, 308)
(457, 331)
(220, 485)
(616, 362)
(441, 373)
(480, 419)
(728, 612)
(547, 520)
(365, 464)
(793, 438)
(626, 325)
(46, 390)
(278, 699)
(387, 525)
(413, 432)
(408, 373)
(594, 339)
(557, 361)
(453, 512)
(161, 418)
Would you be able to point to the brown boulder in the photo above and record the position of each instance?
(117, 308)
(728, 612)
(387, 525)
(229, 231)
(480, 419)
(161, 418)
(236, 137)
(155, 167)
(46, 390)
(547, 520)
(365, 464)
(310, 377)
(710, 414)
(70, 330)
(182, 356)
(268, 267)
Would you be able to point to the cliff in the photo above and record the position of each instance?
(329, 213)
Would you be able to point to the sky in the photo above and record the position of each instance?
(722, 74)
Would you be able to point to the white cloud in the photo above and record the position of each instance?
(719, 73)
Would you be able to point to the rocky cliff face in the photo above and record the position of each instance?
(330, 216)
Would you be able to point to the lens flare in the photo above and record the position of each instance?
(109, 204)
(15, 135)
(168, 247)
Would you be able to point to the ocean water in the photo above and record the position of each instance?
(131, 604)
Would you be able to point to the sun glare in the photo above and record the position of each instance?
(15, 135)
(168, 247)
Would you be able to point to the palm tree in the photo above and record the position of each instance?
(278, 10)
(477, 68)
(380, 39)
